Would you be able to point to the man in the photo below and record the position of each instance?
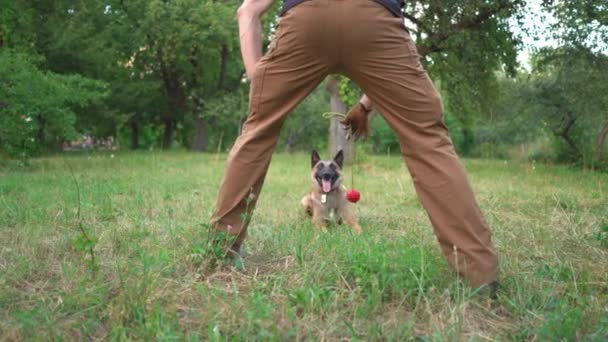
(365, 40)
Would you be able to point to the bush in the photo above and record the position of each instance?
(382, 138)
(602, 234)
(36, 106)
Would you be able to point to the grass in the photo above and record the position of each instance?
(147, 213)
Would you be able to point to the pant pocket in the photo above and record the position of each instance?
(274, 42)
(255, 94)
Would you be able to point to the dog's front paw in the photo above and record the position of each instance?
(318, 222)
(355, 226)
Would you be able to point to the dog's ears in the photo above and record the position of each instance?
(339, 158)
(314, 159)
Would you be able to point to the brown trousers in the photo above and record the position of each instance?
(363, 41)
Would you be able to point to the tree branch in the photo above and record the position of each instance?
(436, 39)
(567, 123)
(420, 25)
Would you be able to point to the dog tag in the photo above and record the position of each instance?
(324, 198)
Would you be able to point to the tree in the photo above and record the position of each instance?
(163, 60)
(463, 44)
(37, 108)
(191, 55)
(566, 94)
(580, 22)
(509, 122)
(305, 129)
(583, 23)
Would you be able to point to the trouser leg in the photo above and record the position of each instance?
(384, 62)
(282, 78)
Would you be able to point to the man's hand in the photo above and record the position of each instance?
(250, 31)
(357, 122)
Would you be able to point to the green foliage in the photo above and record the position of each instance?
(85, 245)
(37, 108)
(157, 74)
(582, 22)
(349, 91)
(305, 129)
(84, 242)
(18, 25)
(551, 113)
(455, 131)
(508, 123)
(170, 74)
(564, 96)
(602, 234)
(225, 113)
(382, 138)
(372, 269)
(189, 60)
(562, 323)
(464, 43)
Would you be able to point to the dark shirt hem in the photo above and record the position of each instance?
(392, 6)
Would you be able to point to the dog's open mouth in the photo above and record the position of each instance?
(326, 185)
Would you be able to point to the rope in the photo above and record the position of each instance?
(329, 115)
(355, 165)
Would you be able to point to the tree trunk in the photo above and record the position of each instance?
(40, 134)
(223, 64)
(290, 142)
(564, 133)
(200, 142)
(134, 135)
(601, 137)
(176, 96)
(337, 133)
(168, 134)
(468, 140)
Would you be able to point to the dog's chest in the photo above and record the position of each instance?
(329, 201)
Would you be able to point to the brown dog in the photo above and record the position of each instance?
(328, 195)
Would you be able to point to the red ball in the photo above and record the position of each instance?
(353, 196)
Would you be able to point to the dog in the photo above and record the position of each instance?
(328, 195)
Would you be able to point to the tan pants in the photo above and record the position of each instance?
(363, 41)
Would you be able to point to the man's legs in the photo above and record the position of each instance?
(383, 60)
(283, 77)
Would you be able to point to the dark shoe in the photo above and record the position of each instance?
(234, 252)
(235, 256)
(489, 291)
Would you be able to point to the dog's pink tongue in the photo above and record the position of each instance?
(326, 185)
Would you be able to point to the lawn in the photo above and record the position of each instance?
(146, 215)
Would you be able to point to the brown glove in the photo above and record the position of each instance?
(356, 122)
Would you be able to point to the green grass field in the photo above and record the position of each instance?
(147, 214)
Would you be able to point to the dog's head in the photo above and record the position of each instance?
(327, 174)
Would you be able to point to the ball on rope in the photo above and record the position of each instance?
(353, 196)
